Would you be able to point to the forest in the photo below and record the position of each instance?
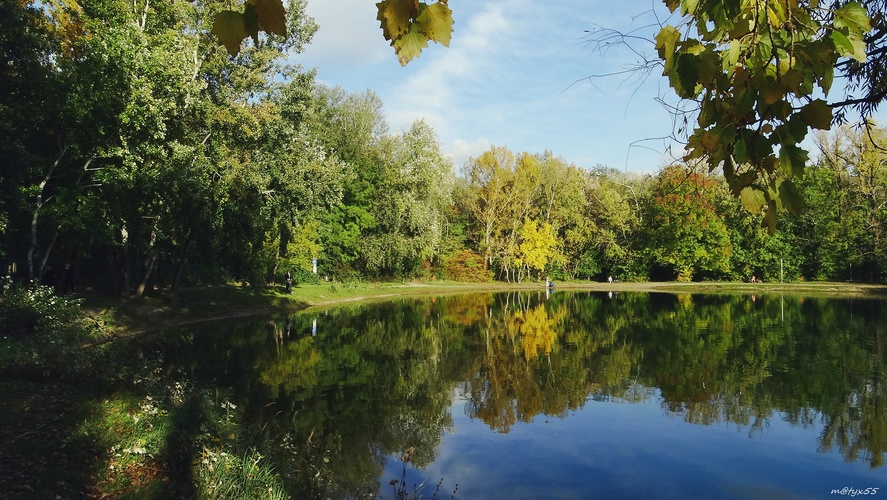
(140, 155)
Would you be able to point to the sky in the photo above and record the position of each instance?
(515, 75)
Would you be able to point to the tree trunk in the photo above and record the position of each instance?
(112, 270)
(46, 254)
(126, 264)
(150, 265)
(180, 269)
(35, 216)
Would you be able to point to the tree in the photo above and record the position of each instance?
(412, 194)
(686, 235)
(537, 245)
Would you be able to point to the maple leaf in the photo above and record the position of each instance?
(410, 45)
(396, 17)
(230, 29)
(436, 21)
(272, 16)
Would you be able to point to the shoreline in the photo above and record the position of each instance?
(158, 312)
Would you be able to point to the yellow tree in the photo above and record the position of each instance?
(537, 246)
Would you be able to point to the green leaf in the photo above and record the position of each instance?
(436, 21)
(272, 16)
(733, 54)
(791, 197)
(793, 160)
(251, 21)
(842, 43)
(396, 17)
(854, 17)
(753, 199)
(740, 150)
(817, 114)
(689, 7)
(770, 217)
(666, 41)
(410, 45)
(687, 69)
(797, 128)
(228, 26)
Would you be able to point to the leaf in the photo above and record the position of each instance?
(687, 68)
(854, 17)
(773, 92)
(251, 21)
(793, 160)
(817, 114)
(848, 47)
(753, 199)
(666, 41)
(733, 54)
(791, 197)
(396, 17)
(228, 26)
(436, 21)
(770, 217)
(272, 16)
(739, 150)
(409, 45)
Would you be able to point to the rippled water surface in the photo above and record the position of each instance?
(572, 395)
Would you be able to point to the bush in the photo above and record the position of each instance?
(303, 276)
(467, 266)
(34, 309)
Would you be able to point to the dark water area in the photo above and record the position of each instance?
(568, 395)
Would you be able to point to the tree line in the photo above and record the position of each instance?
(140, 154)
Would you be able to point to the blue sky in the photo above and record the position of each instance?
(512, 76)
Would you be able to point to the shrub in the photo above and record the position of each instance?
(34, 309)
(466, 265)
(302, 276)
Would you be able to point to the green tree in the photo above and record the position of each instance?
(686, 234)
(413, 193)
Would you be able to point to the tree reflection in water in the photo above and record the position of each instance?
(331, 394)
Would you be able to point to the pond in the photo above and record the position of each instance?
(563, 395)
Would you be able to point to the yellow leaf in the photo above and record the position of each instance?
(409, 45)
(752, 199)
(436, 21)
(396, 17)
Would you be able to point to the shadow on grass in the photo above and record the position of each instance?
(43, 454)
(79, 422)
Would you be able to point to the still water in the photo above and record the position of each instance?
(573, 395)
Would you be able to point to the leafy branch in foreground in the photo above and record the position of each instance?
(753, 68)
(755, 77)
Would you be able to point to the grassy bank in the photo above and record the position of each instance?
(85, 413)
(232, 301)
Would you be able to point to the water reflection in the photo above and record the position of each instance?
(332, 394)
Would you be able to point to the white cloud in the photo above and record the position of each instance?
(505, 79)
(349, 34)
(461, 150)
(438, 89)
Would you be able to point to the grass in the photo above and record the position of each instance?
(83, 414)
